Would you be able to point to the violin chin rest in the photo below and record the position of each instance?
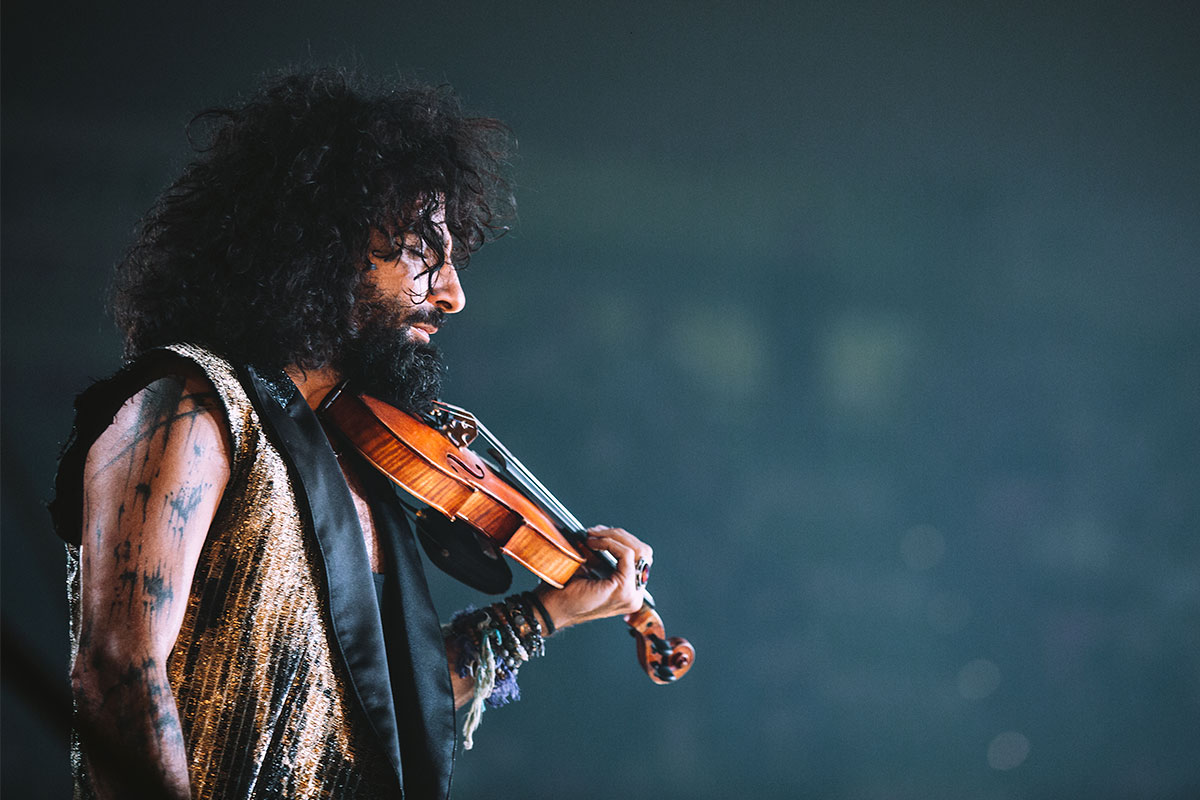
(456, 549)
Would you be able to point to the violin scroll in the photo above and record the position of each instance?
(664, 660)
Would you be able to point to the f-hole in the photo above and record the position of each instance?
(461, 466)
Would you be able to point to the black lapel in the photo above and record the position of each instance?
(416, 651)
(322, 494)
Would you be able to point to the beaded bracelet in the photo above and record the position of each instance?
(492, 643)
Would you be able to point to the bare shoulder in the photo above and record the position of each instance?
(176, 416)
(151, 487)
(160, 468)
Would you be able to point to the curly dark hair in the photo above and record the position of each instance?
(258, 250)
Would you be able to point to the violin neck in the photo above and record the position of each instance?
(511, 468)
(600, 563)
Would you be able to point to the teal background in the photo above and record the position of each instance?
(879, 321)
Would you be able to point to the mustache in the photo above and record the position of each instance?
(426, 316)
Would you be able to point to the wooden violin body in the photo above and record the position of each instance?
(436, 466)
(456, 482)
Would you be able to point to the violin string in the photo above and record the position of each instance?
(520, 471)
(547, 498)
(544, 494)
(517, 470)
(522, 474)
(515, 465)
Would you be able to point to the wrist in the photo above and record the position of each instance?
(551, 612)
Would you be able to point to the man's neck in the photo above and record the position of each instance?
(313, 384)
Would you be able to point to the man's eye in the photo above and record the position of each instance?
(425, 255)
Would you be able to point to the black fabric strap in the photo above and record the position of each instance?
(421, 685)
(399, 674)
(322, 494)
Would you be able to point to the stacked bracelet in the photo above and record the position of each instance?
(492, 643)
(537, 603)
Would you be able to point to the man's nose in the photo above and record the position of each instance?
(445, 290)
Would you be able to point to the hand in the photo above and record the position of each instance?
(584, 599)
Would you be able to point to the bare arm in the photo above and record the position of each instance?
(151, 487)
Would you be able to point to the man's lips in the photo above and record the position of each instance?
(421, 331)
(423, 323)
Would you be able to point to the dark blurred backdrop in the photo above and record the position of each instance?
(880, 321)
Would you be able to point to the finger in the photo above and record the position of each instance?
(624, 554)
(628, 592)
(606, 540)
(642, 549)
(635, 572)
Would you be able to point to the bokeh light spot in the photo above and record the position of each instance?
(866, 365)
(1008, 750)
(722, 347)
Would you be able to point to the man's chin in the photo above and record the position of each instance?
(399, 370)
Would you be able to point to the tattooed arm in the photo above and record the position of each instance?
(151, 488)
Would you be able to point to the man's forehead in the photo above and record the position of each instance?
(410, 229)
(426, 207)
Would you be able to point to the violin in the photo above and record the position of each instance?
(431, 459)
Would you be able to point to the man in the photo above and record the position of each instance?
(250, 617)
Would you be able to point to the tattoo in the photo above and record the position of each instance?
(163, 405)
(160, 592)
(128, 580)
(157, 691)
(141, 492)
(150, 486)
(140, 689)
(166, 415)
(185, 501)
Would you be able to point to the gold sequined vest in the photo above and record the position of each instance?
(281, 668)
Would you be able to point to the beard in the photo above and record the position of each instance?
(383, 361)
